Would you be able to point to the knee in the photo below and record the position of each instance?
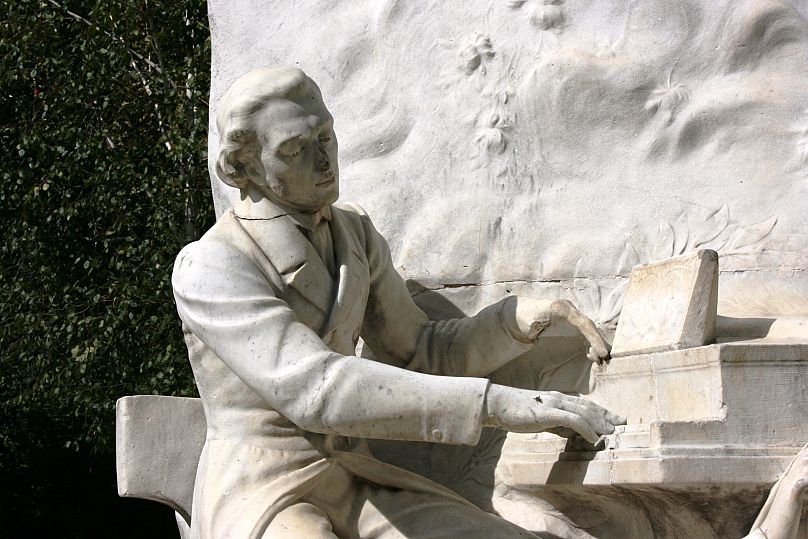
(300, 520)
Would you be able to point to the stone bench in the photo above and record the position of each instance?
(158, 444)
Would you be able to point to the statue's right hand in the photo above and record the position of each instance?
(521, 410)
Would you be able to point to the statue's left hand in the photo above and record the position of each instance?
(533, 316)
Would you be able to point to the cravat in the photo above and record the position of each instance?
(321, 239)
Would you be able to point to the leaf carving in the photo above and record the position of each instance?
(800, 159)
(748, 238)
(628, 259)
(665, 240)
(577, 271)
(612, 305)
(715, 224)
(681, 234)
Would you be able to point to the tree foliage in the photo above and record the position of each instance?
(103, 121)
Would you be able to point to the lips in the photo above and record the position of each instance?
(328, 178)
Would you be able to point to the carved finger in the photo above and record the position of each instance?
(590, 407)
(616, 419)
(596, 420)
(611, 417)
(599, 415)
(595, 339)
(564, 432)
(569, 405)
(604, 427)
(581, 426)
(589, 331)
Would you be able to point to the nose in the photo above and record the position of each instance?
(321, 160)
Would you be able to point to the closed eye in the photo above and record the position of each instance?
(291, 155)
(291, 148)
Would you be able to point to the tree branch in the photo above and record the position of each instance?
(168, 82)
(109, 34)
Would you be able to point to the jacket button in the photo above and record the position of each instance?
(437, 435)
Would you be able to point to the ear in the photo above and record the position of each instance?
(234, 164)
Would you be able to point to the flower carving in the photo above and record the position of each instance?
(472, 51)
(544, 14)
(801, 150)
(492, 132)
(547, 15)
(607, 49)
(668, 99)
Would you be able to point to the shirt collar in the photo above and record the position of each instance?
(310, 221)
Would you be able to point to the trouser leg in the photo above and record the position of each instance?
(389, 514)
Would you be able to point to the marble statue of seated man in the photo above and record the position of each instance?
(273, 300)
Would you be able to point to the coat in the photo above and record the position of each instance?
(271, 337)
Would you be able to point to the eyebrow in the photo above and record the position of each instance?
(294, 134)
(291, 138)
(303, 130)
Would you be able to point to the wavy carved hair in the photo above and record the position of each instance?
(239, 150)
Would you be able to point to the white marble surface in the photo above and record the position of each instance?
(544, 148)
(669, 305)
(709, 430)
(695, 458)
(273, 299)
(158, 442)
(587, 136)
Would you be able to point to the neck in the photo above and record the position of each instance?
(254, 194)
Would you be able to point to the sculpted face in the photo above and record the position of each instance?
(299, 151)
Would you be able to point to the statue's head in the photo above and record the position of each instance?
(277, 138)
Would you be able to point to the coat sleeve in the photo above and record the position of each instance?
(225, 300)
(399, 333)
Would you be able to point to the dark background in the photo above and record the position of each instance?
(103, 125)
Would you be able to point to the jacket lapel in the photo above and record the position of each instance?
(354, 277)
(292, 255)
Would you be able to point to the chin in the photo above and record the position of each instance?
(330, 196)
